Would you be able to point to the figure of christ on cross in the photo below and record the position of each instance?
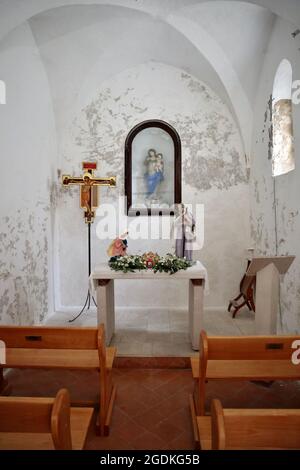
(89, 188)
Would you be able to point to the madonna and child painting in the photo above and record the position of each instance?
(154, 174)
(152, 168)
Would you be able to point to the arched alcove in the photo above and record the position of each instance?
(283, 160)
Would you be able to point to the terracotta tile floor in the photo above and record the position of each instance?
(151, 409)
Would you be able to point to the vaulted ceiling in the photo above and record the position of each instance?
(221, 42)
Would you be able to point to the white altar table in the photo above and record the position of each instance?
(103, 282)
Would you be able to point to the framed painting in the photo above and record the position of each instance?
(152, 169)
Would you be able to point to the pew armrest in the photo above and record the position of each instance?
(204, 431)
(110, 356)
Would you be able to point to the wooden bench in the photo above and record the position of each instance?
(248, 429)
(263, 358)
(43, 423)
(64, 348)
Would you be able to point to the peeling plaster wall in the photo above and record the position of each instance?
(276, 227)
(214, 173)
(27, 146)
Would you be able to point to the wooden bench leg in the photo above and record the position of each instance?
(110, 410)
(201, 395)
(196, 396)
(104, 417)
(194, 417)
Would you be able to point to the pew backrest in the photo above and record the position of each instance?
(44, 337)
(244, 348)
(254, 428)
(38, 415)
(55, 338)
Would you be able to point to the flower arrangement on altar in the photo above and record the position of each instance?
(150, 259)
(130, 263)
(121, 261)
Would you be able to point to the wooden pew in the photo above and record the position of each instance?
(45, 347)
(43, 423)
(249, 429)
(264, 358)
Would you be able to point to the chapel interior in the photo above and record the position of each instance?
(192, 102)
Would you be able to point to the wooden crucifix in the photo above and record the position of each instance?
(89, 188)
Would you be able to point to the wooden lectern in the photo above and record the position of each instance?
(267, 270)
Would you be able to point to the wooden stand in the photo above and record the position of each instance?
(246, 295)
(267, 270)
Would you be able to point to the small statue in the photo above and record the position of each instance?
(118, 246)
(183, 231)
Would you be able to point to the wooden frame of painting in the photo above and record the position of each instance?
(152, 169)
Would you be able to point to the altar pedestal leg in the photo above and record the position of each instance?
(267, 300)
(106, 307)
(196, 288)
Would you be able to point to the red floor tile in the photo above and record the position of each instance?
(166, 430)
(149, 441)
(150, 418)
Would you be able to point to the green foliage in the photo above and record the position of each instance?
(127, 263)
(131, 263)
(171, 264)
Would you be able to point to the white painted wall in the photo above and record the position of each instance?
(214, 174)
(15, 12)
(205, 24)
(242, 31)
(157, 55)
(27, 159)
(78, 42)
(287, 189)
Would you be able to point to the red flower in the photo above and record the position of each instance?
(149, 263)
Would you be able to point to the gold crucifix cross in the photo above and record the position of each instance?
(89, 188)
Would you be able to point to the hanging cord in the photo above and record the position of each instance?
(276, 249)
